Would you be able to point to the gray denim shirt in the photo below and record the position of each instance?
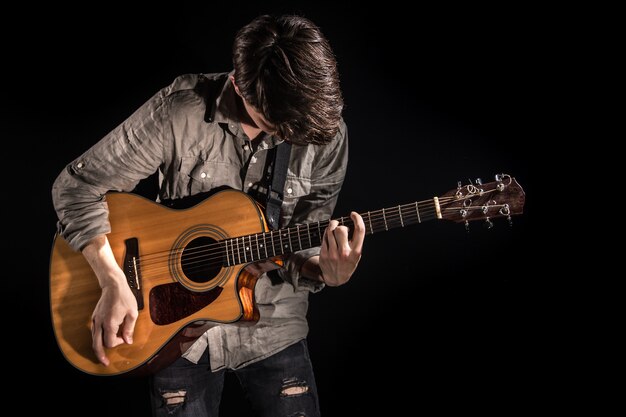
(196, 144)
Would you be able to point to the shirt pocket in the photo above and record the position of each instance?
(295, 189)
(198, 176)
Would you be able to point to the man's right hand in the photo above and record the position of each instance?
(113, 319)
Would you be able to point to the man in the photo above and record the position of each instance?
(204, 133)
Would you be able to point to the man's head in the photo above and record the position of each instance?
(286, 70)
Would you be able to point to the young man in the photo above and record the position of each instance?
(207, 132)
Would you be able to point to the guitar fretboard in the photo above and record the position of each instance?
(260, 246)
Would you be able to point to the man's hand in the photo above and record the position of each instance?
(339, 256)
(113, 319)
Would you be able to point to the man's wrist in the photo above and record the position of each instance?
(311, 269)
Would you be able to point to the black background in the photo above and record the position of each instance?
(434, 317)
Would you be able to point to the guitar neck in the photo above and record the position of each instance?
(260, 246)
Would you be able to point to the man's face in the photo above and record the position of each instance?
(258, 119)
(256, 116)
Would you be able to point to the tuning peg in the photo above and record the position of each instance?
(479, 181)
(488, 223)
(459, 185)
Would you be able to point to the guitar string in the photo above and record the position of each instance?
(276, 237)
(376, 215)
(218, 253)
(213, 257)
(206, 257)
(216, 256)
(389, 220)
(373, 217)
(202, 260)
(376, 221)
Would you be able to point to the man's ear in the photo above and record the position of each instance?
(232, 80)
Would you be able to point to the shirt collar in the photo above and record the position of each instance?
(225, 113)
(225, 110)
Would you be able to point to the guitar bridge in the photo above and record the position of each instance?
(132, 269)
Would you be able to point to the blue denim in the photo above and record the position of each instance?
(280, 385)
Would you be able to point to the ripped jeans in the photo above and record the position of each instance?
(280, 385)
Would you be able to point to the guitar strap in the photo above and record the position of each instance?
(276, 186)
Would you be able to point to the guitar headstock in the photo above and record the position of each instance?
(503, 197)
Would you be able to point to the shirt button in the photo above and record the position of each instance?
(245, 147)
(203, 175)
(249, 184)
(289, 191)
(253, 160)
(80, 165)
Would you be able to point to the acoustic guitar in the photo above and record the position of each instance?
(190, 268)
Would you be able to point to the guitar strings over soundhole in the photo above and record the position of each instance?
(197, 264)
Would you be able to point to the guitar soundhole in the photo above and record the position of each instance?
(201, 260)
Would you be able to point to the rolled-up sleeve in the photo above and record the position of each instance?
(327, 176)
(129, 153)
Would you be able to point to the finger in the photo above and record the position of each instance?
(330, 235)
(341, 237)
(111, 335)
(358, 236)
(128, 328)
(97, 344)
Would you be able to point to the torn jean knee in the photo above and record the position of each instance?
(293, 387)
(173, 399)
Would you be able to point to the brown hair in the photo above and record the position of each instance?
(286, 69)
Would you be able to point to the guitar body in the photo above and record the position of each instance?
(154, 243)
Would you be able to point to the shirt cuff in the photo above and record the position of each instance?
(290, 272)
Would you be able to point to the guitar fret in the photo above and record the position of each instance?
(319, 232)
(385, 220)
(232, 251)
(400, 212)
(298, 233)
(258, 250)
(243, 245)
(369, 219)
(308, 232)
(238, 253)
(272, 239)
(289, 239)
(265, 244)
(227, 256)
(250, 243)
(280, 239)
(417, 210)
